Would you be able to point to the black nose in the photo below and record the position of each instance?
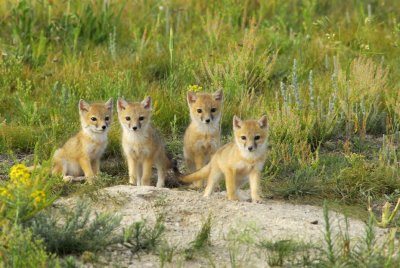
(103, 127)
(250, 148)
(208, 121)
(134, 128)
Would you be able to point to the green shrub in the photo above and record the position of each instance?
(67, 232)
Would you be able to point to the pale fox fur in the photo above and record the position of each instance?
(141, 143)
(238, 161)
(202, 137)
(80, 155)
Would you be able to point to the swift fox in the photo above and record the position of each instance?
(202, 137)
(81, 154)
(238, 161)
(141, 143)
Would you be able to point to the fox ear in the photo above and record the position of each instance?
(83, 106)
(121, 104)
(147, 103)
(191, 97)
(237, 122)
(263, 122)
(218, 95)
(109, 104)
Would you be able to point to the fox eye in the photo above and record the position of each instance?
(107, 118)
(128, 118)
(243, 137)
(213, 110)
(93, 118)
(257, 137)
(199, 111)
(141, 118)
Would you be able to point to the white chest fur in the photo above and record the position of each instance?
(135, 145)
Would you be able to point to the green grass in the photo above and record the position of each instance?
(322, 71)
(325, 72)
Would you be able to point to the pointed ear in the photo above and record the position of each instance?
(263, 122)
(147, 103)
(218, 95)
(83, 106)
(237, 122)
(191, 97)
(109, 104)
(121, 104)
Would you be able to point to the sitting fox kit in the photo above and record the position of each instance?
(81, 154)
(237, 161)
(202, 137)
(141, 143)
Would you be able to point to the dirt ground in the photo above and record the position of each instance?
(235, 225)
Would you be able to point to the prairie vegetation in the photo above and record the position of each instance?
(325, 72)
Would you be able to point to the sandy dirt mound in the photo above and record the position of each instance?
(186, 210)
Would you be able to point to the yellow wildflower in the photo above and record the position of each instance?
(4, 192)
(20, 174)
(194, 88)
(38, 196)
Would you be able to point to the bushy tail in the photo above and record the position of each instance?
(198, 175)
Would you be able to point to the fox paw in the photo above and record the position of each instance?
(257, 201)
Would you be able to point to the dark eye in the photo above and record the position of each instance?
(128, 118)
(257, 137)
(243, 137)
(199, 111)
(93, 118)
(107, 118)
(213, 110)
(141, 118)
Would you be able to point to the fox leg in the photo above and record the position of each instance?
(199, 163)
(254, 179)
(147, 169)
(96, 166)
(139, 173)
(86, 166)
(230, 182)
(161, 170)
(213, 179)
(132, 171)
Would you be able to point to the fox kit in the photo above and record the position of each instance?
(81, 154)
(202, 137)
(244, 158)
(141, 143)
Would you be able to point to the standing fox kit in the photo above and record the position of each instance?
(141, 143)
(202, 137)
(81, 154)
(237, 161)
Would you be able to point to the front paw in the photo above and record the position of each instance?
(160, 184)
(257, 200)
(233, 198)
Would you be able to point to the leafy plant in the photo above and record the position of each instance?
(18, 248)
(25, 194)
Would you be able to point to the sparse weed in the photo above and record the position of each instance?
(202, 240)
(140, 237)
